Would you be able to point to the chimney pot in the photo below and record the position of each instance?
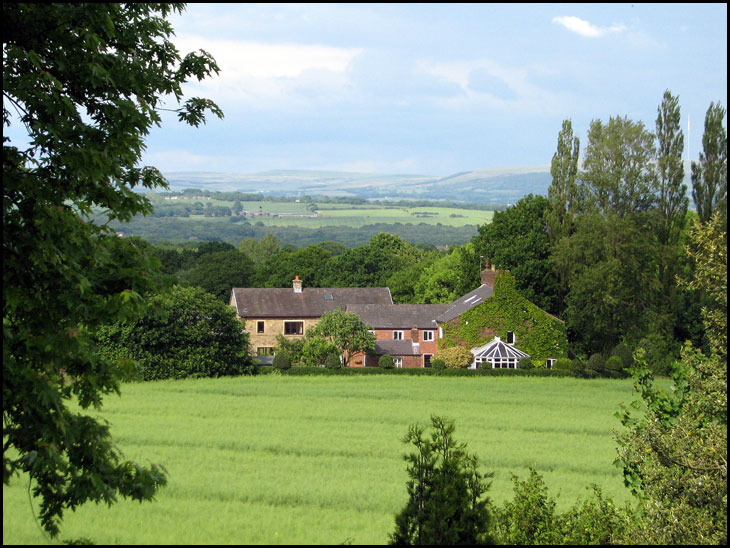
(297, 284)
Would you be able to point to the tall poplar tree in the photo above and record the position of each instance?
(671, 210)
(673, 199)
(709, 175)
(563, 191)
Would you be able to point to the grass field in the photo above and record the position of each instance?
(318, 460)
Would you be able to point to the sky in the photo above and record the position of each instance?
(434, 89)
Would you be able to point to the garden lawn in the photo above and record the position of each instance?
(318, 460)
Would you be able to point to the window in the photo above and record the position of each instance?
(428, 336)
(259, 327)
(427, 360)
(397, 335)
(510, 337)
(550, 363)
(293, 328)
(398, 362)
(264, 351)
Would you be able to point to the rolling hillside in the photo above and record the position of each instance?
(491, 186)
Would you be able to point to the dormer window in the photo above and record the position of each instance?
(511, 337)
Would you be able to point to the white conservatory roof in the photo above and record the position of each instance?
(496, 348)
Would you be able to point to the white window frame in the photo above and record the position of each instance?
(398, 362)
(428, 336)
(398, 335)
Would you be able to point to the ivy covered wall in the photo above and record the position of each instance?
(538, 333)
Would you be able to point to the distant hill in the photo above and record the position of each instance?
(498, 185)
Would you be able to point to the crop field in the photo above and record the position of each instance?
(318, 460)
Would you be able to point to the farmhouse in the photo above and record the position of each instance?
(267, 313)
(487, 320)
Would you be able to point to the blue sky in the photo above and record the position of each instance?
(433, 88)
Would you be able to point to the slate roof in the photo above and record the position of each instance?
(399, 316)
(467, 302)
(397, 348)
(312, 302)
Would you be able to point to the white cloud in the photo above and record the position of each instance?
(265, 72)
(585, 28)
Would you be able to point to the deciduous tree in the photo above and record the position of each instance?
(563, 192)
(82, 86)
(709, 175)
(674, 451)
(618, 172)
(346, 331)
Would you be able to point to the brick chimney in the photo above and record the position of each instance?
(414, 335)
(297, 283)
(489, 274)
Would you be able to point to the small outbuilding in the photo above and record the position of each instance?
(497, 354)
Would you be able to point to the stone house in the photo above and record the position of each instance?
(268, 312)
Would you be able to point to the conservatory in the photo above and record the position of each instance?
(497, 354)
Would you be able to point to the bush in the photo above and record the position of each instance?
(293, 347)
(315, 351)
(282, 360)
(530, 517)
(597, 363)
(525, 363)
(563, 363)
(615, 367)
(386, 361)
(596, 521)
(333, 361)
(456, 357)
(438, 365)
(622, 351)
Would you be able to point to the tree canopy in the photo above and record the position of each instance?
(83, 84)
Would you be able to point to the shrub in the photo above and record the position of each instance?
(293, 347)
(438, 364)
(333, 361)
(386, 361)
(615, 367)
(595, 521)
(315, 351)
(446, 492)
(622, 351)
(563, 363)
(597, 363)
(530, 517)
(525, 363)
(456, 357)
(282, 360)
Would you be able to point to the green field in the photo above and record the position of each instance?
(318, 460)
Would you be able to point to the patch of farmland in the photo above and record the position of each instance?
(318, 460)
